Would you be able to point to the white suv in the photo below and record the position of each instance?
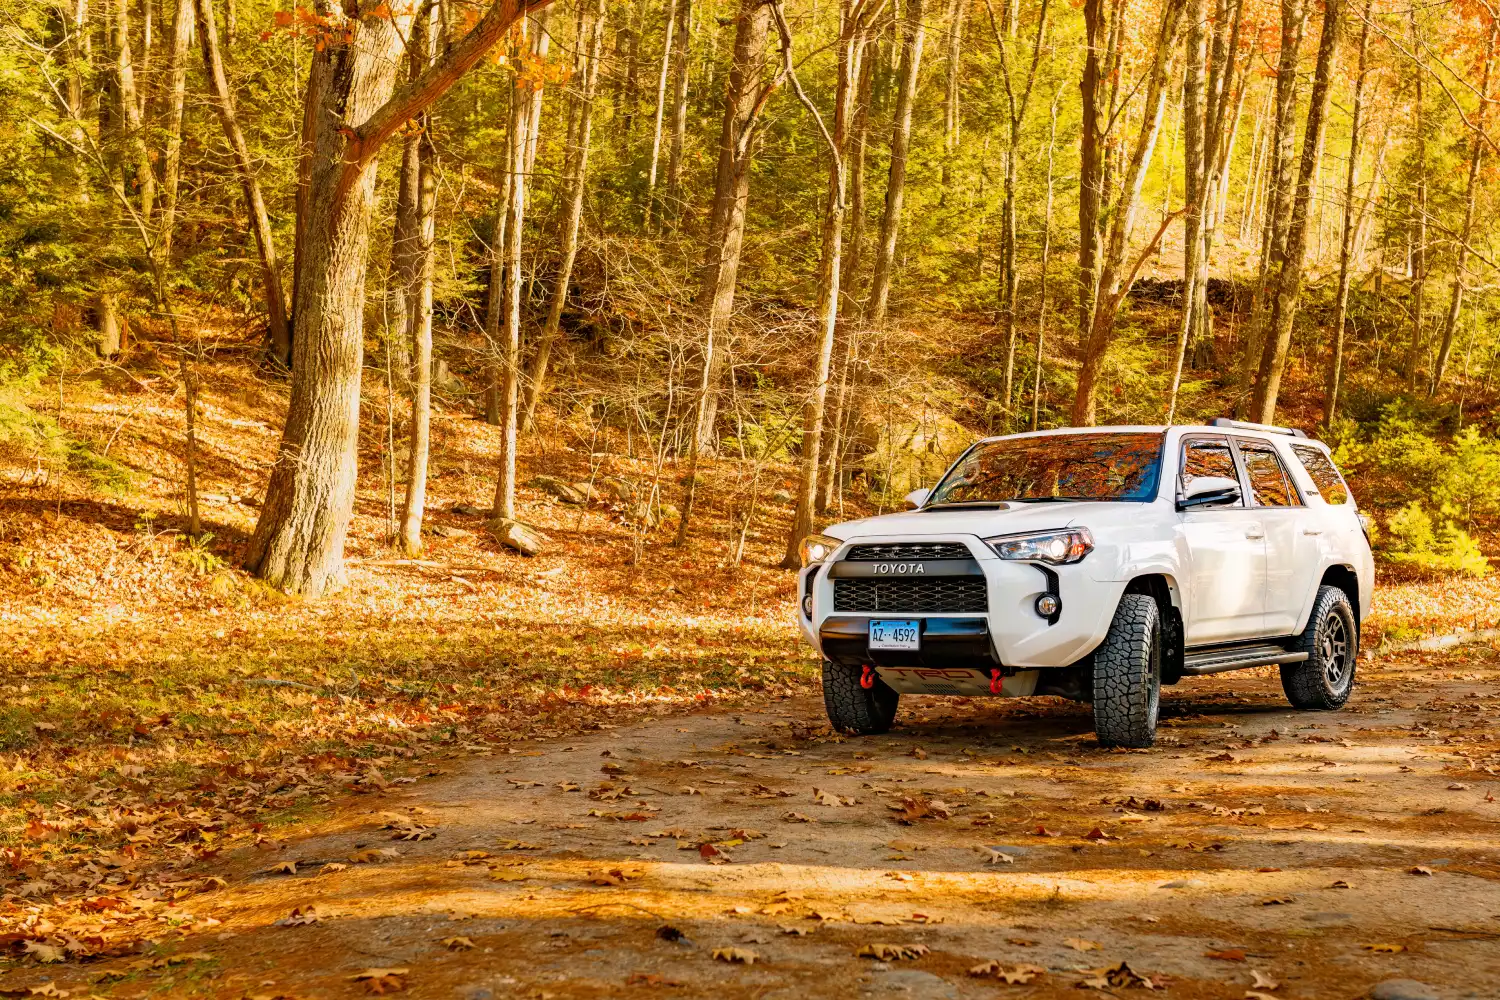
(1098, 564)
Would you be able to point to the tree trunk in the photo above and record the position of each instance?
(890, 222)
(680, 52)
(1194, 184)
(298, 545)
(832, 482)
(1091, 156)
(130, 112)
(107, 322)
(1346, 242)
(1476, 154)
(952, 118)
(726, 229)
(1417, 208)
(412, 264)
(1114, 279)
(510, 337)
(298, 541)
(592, 38)
(668, 36)
(1041, 314)
(182, 34)
(1281, 182)
(1288, 281)
(255, 203)
(850, 53)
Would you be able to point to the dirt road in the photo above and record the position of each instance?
(1323, 853)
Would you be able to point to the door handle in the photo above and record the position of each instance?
(1254, 533)
(1312, 531)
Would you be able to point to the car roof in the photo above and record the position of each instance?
(1265, 435)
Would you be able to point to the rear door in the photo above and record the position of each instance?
(1293, 554)
(1226, 551)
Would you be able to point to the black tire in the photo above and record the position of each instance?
(1127, 675)
(1325, 679)
(855, 709)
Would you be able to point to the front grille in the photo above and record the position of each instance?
(897, 551)
(930, 595)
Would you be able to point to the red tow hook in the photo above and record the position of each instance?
(995, 680)
(867, 679)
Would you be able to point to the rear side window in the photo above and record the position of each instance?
(1268, 482)
(1325, 475)
(1206, 457)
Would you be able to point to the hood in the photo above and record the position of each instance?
(983, 523)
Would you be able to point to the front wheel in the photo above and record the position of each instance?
(1331, 641)
(1127, 675)
(854, 708)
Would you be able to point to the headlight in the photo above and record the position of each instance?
(816, 548)
(1056, 547)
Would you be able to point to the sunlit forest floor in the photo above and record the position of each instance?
(171, 730)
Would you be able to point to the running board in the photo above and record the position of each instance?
(1218, 660)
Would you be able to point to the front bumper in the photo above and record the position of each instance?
(1008, 634)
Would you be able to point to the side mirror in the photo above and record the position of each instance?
(1206, 491)
(918, 497)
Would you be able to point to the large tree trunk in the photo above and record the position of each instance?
(182, 34)
(1288, 281)
(1476, 154)
(298, 542)
(890, 222)
(255, 203)
(1114, 278)
(1282, 181)
(1334, 383)
(850, 53)
(684, 21)
(592, 39)
(130, 112)
(412, 264)
(726, 227)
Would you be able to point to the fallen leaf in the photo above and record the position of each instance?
(1419, 870)
(1263, 981)
(669, 933)
(1022, 973)
(300, 917)
(1097, 835)
(382, 980)
(739, 955)
(1226, 955)
(892, 952)
(1384, 949)
(998, 857)
(457, 943)
(1042, 831)
(1341, 884)
(1081, 944)
(283, 868)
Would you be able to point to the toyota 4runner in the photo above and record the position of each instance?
(1097, 564)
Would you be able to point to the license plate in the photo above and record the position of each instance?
(901, 634)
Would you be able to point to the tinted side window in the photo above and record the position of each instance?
(1202, 458)
(1323, 472)
(1268, 483)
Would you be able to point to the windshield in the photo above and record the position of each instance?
(1103, 466)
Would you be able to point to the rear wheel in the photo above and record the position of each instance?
(1331, 641)
(1127, 675)
(854, 708)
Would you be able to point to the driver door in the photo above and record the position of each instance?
(1226, 551)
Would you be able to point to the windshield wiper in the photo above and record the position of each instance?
(1051, 499)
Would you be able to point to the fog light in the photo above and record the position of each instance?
(807, 606)
(1048, 605)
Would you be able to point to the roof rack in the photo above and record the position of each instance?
(1246, 425)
